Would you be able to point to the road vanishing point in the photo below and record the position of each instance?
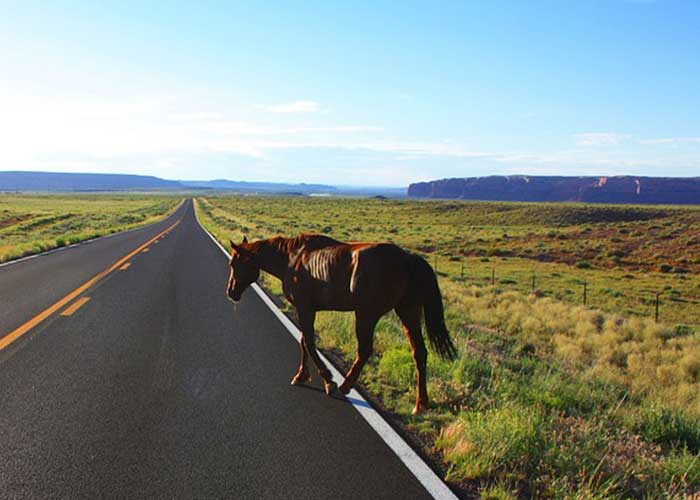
(126, 373)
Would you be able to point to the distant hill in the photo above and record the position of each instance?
(618, 189)
(260, 187)
(51, 181)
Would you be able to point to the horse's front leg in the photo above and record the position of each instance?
(308, 338)
(302, 376)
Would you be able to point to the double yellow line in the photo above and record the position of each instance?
(21, 330)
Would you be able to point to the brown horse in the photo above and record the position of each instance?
(321, 274)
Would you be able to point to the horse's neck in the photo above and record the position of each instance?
(274, 255)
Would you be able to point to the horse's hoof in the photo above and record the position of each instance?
(345, 388)
(301, 378)
(420, 408)
(331, 387)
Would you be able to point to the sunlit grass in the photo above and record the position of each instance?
(548, 398)
(31, 224)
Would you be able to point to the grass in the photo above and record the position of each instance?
(548, 398)
(31, 224)
(621, 253)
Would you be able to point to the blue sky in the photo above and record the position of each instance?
(379, 93)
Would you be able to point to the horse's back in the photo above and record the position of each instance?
(345, 276)
(379, 258)
(380, 274)
(312, 242)
(320, 274)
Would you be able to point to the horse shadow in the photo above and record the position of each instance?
(338, 396)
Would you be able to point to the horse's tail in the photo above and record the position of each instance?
(427, 287)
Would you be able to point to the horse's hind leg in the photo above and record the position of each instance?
(308, 338)
(410, 317)
(302, 376)
(364, 330)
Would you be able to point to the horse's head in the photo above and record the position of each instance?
(244, 270)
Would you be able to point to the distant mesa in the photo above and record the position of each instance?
(617, 189)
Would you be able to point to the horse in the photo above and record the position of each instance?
(319, 273)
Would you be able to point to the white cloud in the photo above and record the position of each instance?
(294, 107)
(673, 140)
(599, 139)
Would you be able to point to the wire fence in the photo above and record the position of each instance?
(662, 304)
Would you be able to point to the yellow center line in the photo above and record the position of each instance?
(125, 266)
(9, 338)
(75, 306)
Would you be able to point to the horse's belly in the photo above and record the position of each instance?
(333, 299)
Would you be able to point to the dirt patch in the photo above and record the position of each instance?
(14, 220)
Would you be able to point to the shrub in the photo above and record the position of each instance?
(679, 470)
(499, 492)
(503, 441)
(669, 427)
(596, 458)
(617, 254)
(397, 366)
(498, 252)
(472, 371)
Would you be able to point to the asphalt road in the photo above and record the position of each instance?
(157, 387)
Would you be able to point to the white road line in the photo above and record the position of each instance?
(425, 475)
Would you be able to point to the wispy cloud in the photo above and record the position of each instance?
(599, 139)
(171, 137)
(294, 107)
(350, 129)
(673, 140)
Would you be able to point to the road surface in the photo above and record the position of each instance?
(148, 383)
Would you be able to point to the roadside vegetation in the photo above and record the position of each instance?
(548, 398)
(31, 224)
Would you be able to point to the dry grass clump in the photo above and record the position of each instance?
(653, 360)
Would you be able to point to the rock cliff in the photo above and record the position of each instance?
(620, 189)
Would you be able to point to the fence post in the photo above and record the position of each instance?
(461, 270)
(436, 263)
(493, 276)
(585, 293)
(533, 281)
(656, 312)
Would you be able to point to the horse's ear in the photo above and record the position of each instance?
(234, 246)
(245, 239)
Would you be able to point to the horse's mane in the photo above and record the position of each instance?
(290, 246)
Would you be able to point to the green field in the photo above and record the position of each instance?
(32, 224)
(548, 398)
